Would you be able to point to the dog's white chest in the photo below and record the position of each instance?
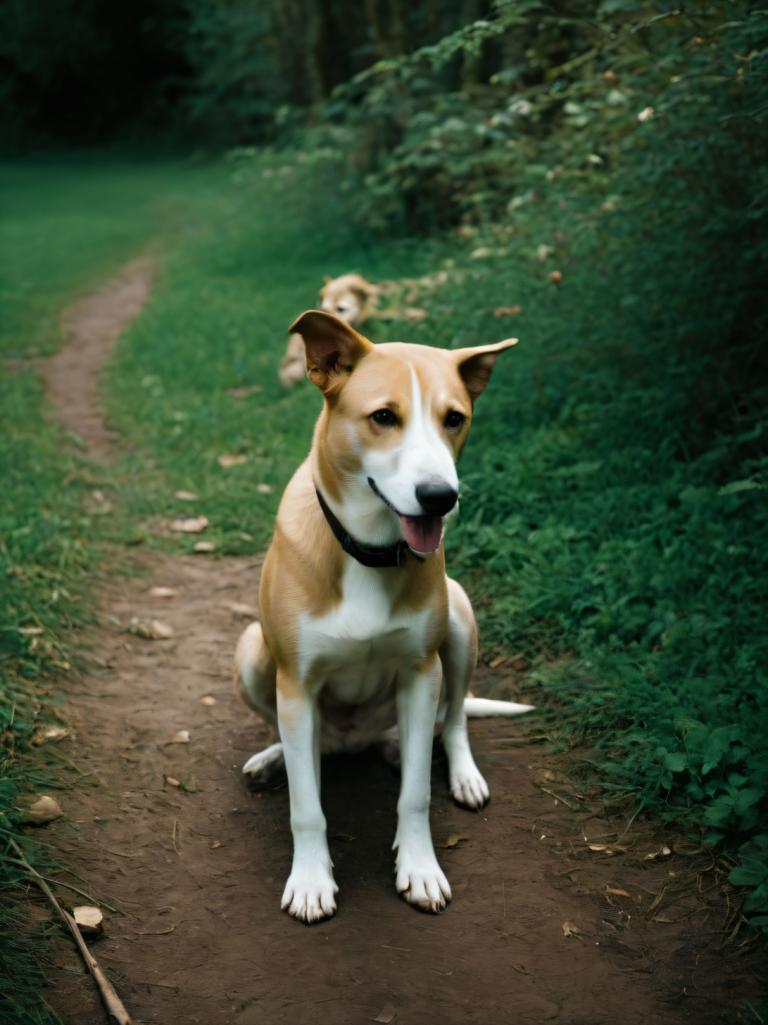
(355, 651)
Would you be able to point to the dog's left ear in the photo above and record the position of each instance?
(332, 347)
(476, 365)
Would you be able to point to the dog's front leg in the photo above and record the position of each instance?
(309, 892)
(419, 878)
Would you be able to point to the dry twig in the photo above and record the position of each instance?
(112, 1002)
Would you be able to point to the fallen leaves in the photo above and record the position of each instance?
(244, 391)
(571, 929)
(556, 277)
(190, 525)
(89, 919)
(663, 852)
(242, 610)
(208, 700)
(49, 735)
(179, 784)
(507, 311)
(180, 737)
(45, 809)
(456, 840)
(150, 629)
(204, 546)
(228, 459)
(163, 592)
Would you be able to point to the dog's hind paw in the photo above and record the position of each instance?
(262, 766)
(309, 896)
(470, 790)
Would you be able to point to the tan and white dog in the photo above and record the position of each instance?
(350, 297)
(360, 628)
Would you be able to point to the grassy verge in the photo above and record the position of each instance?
(67, 223)
(614, 523)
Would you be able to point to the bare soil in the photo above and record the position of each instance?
(558, 915)
(91, 328)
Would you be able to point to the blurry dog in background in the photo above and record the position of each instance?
(349, 297)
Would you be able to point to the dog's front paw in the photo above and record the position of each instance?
(469, 789)
(422, 883)
(309, 894)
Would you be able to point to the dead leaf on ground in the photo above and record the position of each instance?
(185, 496)
(663, 852)
(616, 892)
(30, 631)
(238, 608)
(507, 311)
(207, 700)
(227, 459)
(49, 735)
(456, 840)
(180, 737)
(386, 1015)
(98, 504)
(190, 525)
(245, 536)
(556, 277)
(571, 929)
(244, 391)
(89, 919)
(172, 781)
(44, 809)
(163, 592)
(150, 629)
(602, 848)
(204, 546)
(215, 845)
(264, 489)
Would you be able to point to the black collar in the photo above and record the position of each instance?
(376, 556)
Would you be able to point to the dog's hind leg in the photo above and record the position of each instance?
(459, 655)
(256, 676)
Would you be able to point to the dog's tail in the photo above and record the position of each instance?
(483, 708)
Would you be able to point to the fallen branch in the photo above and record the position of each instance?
(114, 1005)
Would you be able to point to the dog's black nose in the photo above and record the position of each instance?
(436, 498)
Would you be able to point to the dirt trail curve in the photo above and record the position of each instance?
(541, 928)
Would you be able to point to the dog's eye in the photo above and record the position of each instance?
(454, 419)
(384, 418)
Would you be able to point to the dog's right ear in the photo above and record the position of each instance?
(332, 348)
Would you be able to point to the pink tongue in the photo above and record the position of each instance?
(422, 533)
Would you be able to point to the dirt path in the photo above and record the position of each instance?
(541, 929)
(91, 329)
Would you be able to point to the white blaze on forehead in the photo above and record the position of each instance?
(422, 456)
(427, 455)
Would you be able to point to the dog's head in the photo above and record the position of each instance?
(349, 297)
(395, 421)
